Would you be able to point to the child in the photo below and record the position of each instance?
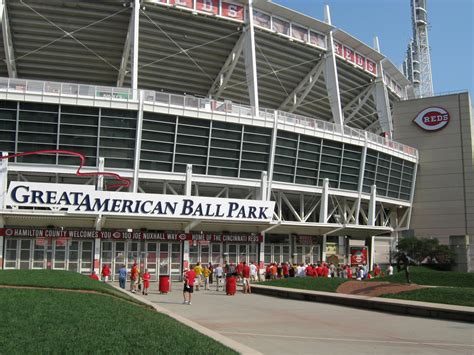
(205, 273)
(146, 282)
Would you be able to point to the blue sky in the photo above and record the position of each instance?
(451, 34)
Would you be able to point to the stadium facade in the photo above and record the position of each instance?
(212, 131)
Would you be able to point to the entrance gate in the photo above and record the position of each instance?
(44, 253)
(160, 258)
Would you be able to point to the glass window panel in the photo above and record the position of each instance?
(300, 33)
(261, 19)
(281, 26)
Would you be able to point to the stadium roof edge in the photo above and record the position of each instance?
(292, 15)
(357, 45)
(392, 70)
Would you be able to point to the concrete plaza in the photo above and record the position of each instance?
(281, 326)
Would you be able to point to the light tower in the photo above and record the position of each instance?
(417, 66)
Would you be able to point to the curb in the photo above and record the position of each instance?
(410, 308)
(230, 343)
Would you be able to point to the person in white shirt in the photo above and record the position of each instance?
(219, 274)
(253, 272)
(390, 269)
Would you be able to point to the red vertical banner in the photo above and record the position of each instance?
(358, 255)
(360, 60)
(349, 55)
(338, 49)
(183, 3)
(233, 11)
(371, 67)
(211, 6)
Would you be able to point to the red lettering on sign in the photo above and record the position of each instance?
(432, 119)
(184, 3)
(349, 54)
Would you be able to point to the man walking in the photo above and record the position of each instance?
(189, 277)
(246, 277)
(122, 276)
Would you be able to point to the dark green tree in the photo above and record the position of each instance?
(420, 249)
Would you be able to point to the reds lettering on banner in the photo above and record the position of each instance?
(233, 11)
(211, 6)
(432, 119)
(184, 3)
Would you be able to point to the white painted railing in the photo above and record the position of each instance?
(226, 107)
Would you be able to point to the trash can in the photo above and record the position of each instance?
(231, 285)
(164, 284)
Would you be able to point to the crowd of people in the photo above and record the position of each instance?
(203, 276)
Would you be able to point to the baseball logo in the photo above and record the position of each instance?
(8, 232)
(432, 119)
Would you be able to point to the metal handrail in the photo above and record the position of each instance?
(188, 102)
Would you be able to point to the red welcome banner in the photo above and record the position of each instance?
(63, 234)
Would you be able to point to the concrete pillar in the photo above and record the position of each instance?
(3, 191)
(138, 144)
(372, 205)
(189, 180)
(136, 39)
(251, 59)
(323, 212)
(97, 255)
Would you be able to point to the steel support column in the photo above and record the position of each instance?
(382, 102)
(126, 53)
(7, 41)
(136, 38)
(372, 206)
(251, 60)
(227, 69)
(323, 208)
(330, 76)
(138, 143)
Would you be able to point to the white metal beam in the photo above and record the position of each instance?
(304, 87)
(138, 142)
(227, 69)
(251, 59)
(358, 107)
(3, 179)
(7, 41)
(136, 38)
(323, 210)
(382, 102)
(372, 206)
(126, 53)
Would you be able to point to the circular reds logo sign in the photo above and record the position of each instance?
(432, 119)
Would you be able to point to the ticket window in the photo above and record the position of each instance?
(164, 259)
(39, 254)
(175, 261)
(216, 253)
(11, 253)
(307, 254)
(73, 256)
(276, 253)
(87, 256)
(199, 253)
(60, 254)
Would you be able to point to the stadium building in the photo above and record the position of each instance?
(211, 130)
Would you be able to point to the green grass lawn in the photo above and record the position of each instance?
(57, 279)
(460, 296)
(48, 321)
(307, 283)
(424, 276)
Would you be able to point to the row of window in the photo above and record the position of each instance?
(169, 143)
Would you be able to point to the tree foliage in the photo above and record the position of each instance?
(426, 250)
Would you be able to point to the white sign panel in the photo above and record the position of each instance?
(83, 199)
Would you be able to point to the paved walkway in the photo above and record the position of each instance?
(280, 326)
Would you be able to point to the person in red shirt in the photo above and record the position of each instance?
(377, 270)
(134, 278)
(246, 277)
(105, 272)
(325, 270)
(319, 270)
(286, 272)
(349, 272)
(310, 270)
(274, 271)
(94, 276)
(189, 277)
(146, 282)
